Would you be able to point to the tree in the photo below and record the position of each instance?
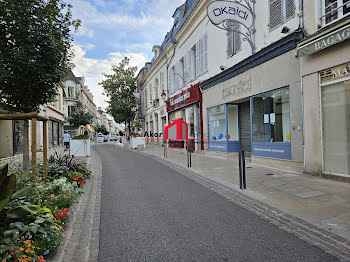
(35, 51)
(119, 88)
(79, 115)
(101, 128)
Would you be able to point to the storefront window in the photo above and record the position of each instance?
(173, 116)
(217, 123)
(270, 117)
(336, 127)
(233, 123)
(190, 121)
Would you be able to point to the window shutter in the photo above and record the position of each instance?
(193, 63)
(275, 13)
(162, 80)
(201, 56)
(185, 67)
(237, 38)
(188, 68)
(197, 58)
(205, 55)
(290, 9)
(170, 84)
(229, 36)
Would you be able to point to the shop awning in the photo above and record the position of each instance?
(324, 42)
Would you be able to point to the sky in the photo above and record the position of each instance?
(113, 29)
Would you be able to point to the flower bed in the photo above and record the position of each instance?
(34, 210)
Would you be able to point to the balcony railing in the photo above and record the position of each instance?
(334, 12)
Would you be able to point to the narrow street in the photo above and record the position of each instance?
(150, 212)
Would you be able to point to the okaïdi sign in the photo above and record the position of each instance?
(223, 14)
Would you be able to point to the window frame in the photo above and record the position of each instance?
(340, 13)
(283, 13)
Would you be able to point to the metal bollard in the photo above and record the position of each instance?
(243, 169)
(240, 170)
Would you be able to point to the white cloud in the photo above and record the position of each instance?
(84, 31)
(92, 68)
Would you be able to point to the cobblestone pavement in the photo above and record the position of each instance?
(82, 235)
(330, 242)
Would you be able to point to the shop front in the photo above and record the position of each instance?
(187, 106)
(260, 126)
(255, 106)
(326, 83)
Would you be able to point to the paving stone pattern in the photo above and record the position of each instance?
(333, 244)
(82, 235)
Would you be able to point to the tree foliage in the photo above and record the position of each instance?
(101, 128)
(35, 51)
(119, 88)
(79, 116)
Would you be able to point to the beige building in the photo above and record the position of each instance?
(76, 90)
(325, 68)
(11, 131)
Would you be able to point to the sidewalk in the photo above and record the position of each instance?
(321, 202)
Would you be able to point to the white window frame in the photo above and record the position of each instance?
(202, 55)
(283, 13)
(340, 12)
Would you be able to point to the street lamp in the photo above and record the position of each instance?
(163, 95)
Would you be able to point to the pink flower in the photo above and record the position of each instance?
(53, 195)
(74, 182)
(12, 249)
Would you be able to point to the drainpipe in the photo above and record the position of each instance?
(173, 40)
(302, 26)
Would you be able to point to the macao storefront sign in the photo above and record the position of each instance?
(221, 11)
(326, 41)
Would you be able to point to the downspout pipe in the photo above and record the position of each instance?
(302, 26)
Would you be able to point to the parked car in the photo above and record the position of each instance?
(113, 138)
(100, 138)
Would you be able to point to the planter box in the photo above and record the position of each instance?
(136, 141)
(79, 147)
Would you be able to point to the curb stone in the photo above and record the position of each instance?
(318, 237)
(82, 235)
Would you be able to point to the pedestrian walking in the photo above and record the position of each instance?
(66, 139)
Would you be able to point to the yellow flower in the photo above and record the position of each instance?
(21, 249)
(3, 260)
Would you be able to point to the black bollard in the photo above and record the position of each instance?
(243, 169)
(240, 170)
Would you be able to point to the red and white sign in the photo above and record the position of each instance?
(178, 130)
(185, 98)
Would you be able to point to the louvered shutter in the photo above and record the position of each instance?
(193, 63)
(189, 72)
(197, 58)
(237, 38)
(162, 80)
(185, 67)
(205, 53)
(201, 56)
(170, 81)
(290, 9)
(229, 36)
(275, 13)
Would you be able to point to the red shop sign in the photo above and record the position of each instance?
(185, 98)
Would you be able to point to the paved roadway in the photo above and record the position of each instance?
(150, 212)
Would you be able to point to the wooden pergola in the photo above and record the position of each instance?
(34, 117)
